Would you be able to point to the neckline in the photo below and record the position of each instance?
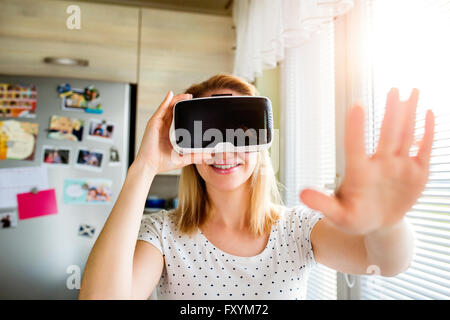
(235, 258)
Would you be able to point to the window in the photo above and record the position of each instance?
(308, 131)
(408, 46)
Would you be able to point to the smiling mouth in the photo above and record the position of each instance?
(225, 166)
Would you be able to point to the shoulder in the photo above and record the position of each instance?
(155, 219)
(162, 219)
(298, 211)
(300, 217)
(155, 226)
(157, 216)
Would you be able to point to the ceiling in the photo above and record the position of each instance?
(219, 7)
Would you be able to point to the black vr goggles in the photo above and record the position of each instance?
(222, 124)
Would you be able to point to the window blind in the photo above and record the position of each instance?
(308, 132)
(409, 47)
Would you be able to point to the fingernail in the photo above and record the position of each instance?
(395, 93)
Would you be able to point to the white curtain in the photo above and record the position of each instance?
(307, 134)
(264, 28)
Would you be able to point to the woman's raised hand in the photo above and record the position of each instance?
(156, 151)
(378, 191)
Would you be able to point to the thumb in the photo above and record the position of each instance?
(328, 205)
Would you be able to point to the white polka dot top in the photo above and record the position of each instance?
(196, 269)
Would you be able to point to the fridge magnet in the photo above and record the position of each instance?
(36, 203)
(65, 128)
(73, 99)
(114, 159)
(8, 219)
(89, 159)
(100, 130)
(18, 140)
(17, 100)
(86, 230)
(55, 156)
(92, 96)
(87, 191)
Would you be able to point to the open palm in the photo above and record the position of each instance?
(378, 190)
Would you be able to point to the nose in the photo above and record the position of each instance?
(226, 157)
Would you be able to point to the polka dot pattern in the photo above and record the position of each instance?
(196, 269)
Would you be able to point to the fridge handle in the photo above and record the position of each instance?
(67, 61)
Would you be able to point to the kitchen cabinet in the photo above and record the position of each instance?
(107, 40)
(178, 49)
(158, 49)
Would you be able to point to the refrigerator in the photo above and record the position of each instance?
(43, 256)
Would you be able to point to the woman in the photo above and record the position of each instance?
(230, 238)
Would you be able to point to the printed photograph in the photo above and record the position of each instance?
(101, 130)
(56, 155)
(74, 100)
(8, 220)
(89, 159)
(65, 128)
(87, 99)
(87, 191)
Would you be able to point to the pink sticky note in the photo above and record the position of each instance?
(32, 205)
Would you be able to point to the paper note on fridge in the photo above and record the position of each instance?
(20, 180)
(33, 205)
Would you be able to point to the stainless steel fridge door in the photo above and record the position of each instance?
(40, 258)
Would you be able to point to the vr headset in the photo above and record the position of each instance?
(222, 123)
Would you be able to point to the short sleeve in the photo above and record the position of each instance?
(151, 229)
(303, 221)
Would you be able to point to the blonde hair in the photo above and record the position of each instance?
(193, 203)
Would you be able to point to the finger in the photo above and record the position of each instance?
(424, 153)
(175, 100)
(164, 104)
(390, 129)
(407, 134)
(354, 136)
(328, 205)
(165, 108)
(168, 115)
(178, 98)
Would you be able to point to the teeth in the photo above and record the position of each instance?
(227, 166)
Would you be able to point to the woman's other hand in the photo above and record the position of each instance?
(378, 191)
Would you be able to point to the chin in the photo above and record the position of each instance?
(227, 185)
